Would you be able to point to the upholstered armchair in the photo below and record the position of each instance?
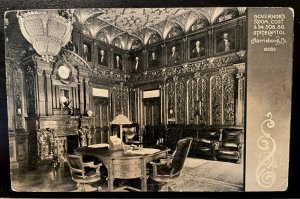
(206, 144)
(83, 172)
(169, 169)
(231, 145)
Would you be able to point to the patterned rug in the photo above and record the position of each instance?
(192, 183)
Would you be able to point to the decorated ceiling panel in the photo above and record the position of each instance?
(130, 28)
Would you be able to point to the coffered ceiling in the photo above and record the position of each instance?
(130, 28)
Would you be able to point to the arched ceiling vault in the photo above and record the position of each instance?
(141, 23)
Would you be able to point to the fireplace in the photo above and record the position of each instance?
(72, 143)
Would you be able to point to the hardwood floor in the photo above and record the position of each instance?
(209, 175)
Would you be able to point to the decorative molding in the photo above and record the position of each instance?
(203, 66)
(265, 171)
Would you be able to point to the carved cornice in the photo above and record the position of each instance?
(203, 66)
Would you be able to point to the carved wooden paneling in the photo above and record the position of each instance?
(192, 97)
(228, 99)
(125, 98)
(18, 98)
(202, 93)
(46, 141)
(180, 102)
(132, 106)
(101, 111)
(118, 100)
(216, 100)
(171, 98)
(104, 111)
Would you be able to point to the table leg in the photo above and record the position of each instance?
(110, 179)
(144, 183)
(144, 176)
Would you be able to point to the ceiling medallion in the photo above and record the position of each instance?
(46, 30)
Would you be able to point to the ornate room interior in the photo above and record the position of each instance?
(171, 73)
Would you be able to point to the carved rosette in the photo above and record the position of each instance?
(180, 102)
(202, 93)
(216, 100)
(228, 99)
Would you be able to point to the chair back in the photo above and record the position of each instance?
(232, 136)
(75, 164)
(182, 149)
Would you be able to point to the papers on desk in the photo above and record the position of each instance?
(143, 151)
(99, 145)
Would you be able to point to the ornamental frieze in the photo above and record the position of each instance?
(208, 64)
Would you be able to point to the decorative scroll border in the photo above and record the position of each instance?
(265, 172)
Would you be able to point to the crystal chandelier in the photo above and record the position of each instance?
(47, 30)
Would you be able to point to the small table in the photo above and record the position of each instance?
(124, 165)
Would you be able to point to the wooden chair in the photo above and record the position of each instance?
(169, 169)
(83, 172)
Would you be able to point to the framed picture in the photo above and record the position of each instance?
(102, 56)
(154, 57)
(197, 47)
(174, 54)
(87, 51)
(137, 61)
(118, 61)
(225, 41)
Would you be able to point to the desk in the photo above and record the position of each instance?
(121, 165)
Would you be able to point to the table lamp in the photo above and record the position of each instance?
(121, 120)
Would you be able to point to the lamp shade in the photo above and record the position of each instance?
(46, 30)
(121, 119)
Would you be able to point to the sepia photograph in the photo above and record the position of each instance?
(168, 111)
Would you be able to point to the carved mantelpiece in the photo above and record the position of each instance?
(63, 125)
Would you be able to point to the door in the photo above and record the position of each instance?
(102, 115)
(152, 112)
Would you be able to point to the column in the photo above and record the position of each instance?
(185, 50)
(210, 43)
(240, 102)
(77, 98)
(145, 64)
(175, 79)
(57, 97)
(126, 64)
(161, 103)
(87, 93)
(41, 92)
(10, 99)
(164, 55)
(53, 97)
(49, 93)
(81, 95)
